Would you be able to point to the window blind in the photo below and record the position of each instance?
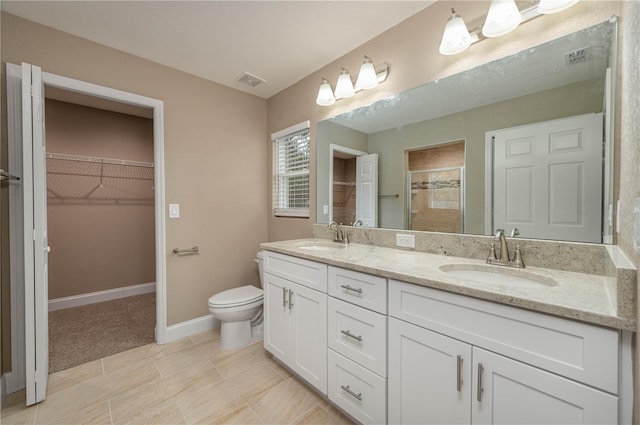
(291, 153)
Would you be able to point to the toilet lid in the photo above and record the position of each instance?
(236, 296)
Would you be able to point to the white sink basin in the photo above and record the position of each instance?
(498, 276)
(321, 246)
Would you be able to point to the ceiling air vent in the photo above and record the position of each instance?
(250, 79)
(577, 56)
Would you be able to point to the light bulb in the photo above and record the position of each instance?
(503, 18)
(344, 86)
(456, 37)
(367, 78)
(325, 94)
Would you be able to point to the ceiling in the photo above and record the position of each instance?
(281, 42)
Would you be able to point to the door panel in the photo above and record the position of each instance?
(516, 393)
(367, 189)
(548, 179)
(276, 316)
(36, 244)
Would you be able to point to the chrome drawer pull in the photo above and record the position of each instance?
(459, 371)
(284, 296)
(290, 299)
(479, 390)
(349, 288)
(350, 335)
(348, 389)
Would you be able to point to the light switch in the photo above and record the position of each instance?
(325, 209)
(174, 210)
(636, 225)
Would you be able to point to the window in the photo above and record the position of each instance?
(291, 152)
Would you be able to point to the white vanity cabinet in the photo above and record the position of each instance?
(455, 359)
(357, 344)
(295, 315)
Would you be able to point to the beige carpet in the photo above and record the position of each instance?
(82, 334)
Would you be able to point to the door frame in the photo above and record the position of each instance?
(333, 148)
(15, 379)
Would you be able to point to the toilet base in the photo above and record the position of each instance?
(235, 335)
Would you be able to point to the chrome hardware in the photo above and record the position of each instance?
(179, 251)
(284, 296)
(348, 389)
(357, 223)
(459, 373)
(503, 259)
(349, 288)
(6, 176)
(341, 236)
(350, 335)
(290, 299)
(479, 389)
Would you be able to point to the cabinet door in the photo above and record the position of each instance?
(309, 335)
(276, 316)
(511, 392)
(429, 377)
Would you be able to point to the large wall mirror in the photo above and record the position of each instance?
(522, 142)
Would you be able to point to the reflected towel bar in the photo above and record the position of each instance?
(397, 195)
(180, 251)
(6, 176)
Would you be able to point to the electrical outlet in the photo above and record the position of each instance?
(406, 241)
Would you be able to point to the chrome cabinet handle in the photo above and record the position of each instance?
(459, 372)
(284, 296)
(349, 288)
(479, 390)
(348, 389)
(290, 299)
(350, 335)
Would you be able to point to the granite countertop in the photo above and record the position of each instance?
(580, 296)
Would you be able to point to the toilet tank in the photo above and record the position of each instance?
(260, 260)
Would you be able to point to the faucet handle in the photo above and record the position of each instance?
(515, 232)
(517, 258)
(492, 253)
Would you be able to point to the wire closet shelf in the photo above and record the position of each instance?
(87, 179)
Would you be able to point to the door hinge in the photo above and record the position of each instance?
(35, 377)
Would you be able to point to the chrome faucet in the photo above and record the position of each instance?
(504, 259)
(341, 236)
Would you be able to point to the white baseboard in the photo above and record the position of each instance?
(100, 296)
(191, 327)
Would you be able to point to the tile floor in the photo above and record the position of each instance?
(190, 381)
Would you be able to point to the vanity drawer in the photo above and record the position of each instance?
(580, 351)
(305, 272)
(360, 392)
(358, 288)
(358, 334)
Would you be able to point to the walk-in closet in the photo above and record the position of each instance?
(101, 223)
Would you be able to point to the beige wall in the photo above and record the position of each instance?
(101, 237)
(411, 50)
(209, 129)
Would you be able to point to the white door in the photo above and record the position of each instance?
(35, 235)
(510, 392)
(429, 376)
(548, 179)
(367, 189)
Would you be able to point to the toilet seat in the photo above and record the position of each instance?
(236, 297)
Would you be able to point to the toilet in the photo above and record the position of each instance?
(240, 313)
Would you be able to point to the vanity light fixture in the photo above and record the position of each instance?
(325, 94)
(503, 17)
(456, 37)
(344, 86)
(368, 78)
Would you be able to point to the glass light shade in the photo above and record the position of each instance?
(367, 78)
(456, 37)
(344, 86)
(503, 18)
(547, 7)
(325, 94)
